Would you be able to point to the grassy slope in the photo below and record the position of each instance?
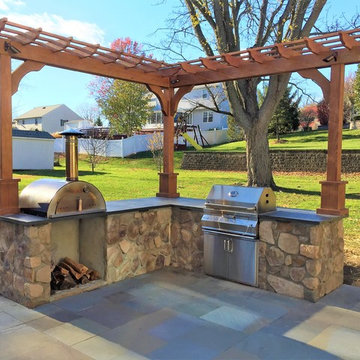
(300, 141)
(136, 178)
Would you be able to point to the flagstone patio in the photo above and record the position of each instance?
(171, 314)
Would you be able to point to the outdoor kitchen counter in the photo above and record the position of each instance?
(112, 207)
(119, 206)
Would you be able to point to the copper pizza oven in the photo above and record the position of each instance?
(56, 198)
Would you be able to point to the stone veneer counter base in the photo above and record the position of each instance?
(301, 253)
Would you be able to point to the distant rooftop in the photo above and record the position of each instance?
(39, 111)
(31, 134)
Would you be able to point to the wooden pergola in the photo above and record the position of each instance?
(170, 82)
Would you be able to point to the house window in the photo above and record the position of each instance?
(156, 118)
(63, 122)
(36, 121)
(23, 122)
(207, 116)
(204, 94)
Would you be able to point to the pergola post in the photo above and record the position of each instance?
(169, 101)
(9, 198)
(333, 189)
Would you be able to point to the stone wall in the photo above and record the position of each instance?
(187, 239)
(137, 242)
(299, 259)
(287, 161)
(25, 263)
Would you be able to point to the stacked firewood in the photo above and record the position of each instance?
(68, 273)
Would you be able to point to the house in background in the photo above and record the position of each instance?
(194, 107)
(53, 118)
(32, 150)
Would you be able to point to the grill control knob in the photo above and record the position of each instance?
(233, 193)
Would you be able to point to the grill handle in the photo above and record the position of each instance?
(237, 208)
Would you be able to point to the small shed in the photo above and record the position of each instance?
(32, 150)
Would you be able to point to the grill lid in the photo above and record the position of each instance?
(235, 209)
(55, 198)
(241, 199)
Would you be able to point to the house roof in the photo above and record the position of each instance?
(31, 134)
(38, 112)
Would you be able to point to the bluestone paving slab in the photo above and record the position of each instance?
(272, 347)
(7, 321)
(346, 297)
(183, 350)
(44, 323)
(21, 313)
(175, 326)
(197, 307)
(339, 340)
(258, 306)
(235, 318)
(89, 325)
(53, 351)
(214, 336)
(100, 349)
(140, 342)
(80, 302)
(64, 315)
(236, 354)
(69, 334)
(47, 309)
(109, 314)
(332, 315)
(23, 340)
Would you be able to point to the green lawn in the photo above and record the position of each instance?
(136, 178)
(313, 140)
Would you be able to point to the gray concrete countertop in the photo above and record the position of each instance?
(287, 214)
(119, 206)
(112, 207)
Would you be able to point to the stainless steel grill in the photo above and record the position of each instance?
(231, 226)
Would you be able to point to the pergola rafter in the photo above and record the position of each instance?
(169, 82)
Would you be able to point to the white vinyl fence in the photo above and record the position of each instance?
(138, 143)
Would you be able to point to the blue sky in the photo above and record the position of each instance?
(96, 22)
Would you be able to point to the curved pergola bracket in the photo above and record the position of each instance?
(17, 75)
(318, 78)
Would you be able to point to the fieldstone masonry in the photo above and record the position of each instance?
(301, 260)
(25, 263)
(137, 243)
(288, 161)
(298, 259)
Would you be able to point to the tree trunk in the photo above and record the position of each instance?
(257, 156)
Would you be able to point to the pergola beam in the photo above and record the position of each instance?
(241, 69)
(87, 65)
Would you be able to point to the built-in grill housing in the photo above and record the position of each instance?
(57, 198)
(231, 227)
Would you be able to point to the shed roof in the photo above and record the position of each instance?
(31, 134)
(38, 112)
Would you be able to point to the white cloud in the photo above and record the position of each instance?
(7, 4)
(58, 25)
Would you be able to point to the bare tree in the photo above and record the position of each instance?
(223, 26)
(156, 146)
(95, 148)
